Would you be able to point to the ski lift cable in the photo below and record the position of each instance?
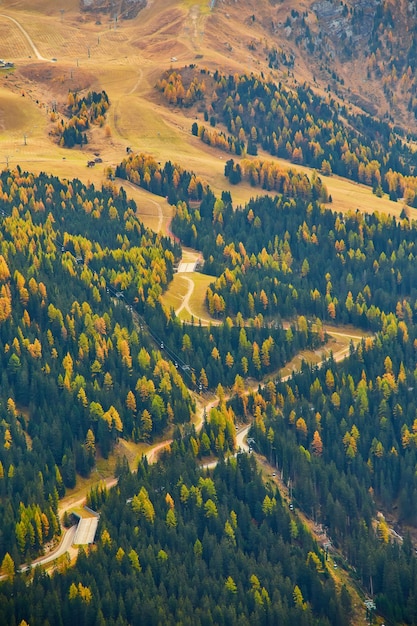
(173, 356)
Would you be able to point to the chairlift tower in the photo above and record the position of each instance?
(370, 610)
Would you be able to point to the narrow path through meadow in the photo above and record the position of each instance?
(27, 37)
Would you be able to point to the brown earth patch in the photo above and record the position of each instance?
(51, 76)
(46, 83)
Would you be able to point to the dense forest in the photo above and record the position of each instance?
(177, 545)
(89, 354)
(77, 370)
(344, 436)
(285, 257)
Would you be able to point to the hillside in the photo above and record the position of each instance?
(196, 198)
(83, 46)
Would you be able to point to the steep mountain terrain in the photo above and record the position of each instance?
(364, 51)
(126, 9)
(275, 139)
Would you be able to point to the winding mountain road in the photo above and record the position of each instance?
(152, 456)
(64, 546)
(67, 505)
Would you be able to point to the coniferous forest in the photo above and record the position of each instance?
(176, 546)
(89, 355)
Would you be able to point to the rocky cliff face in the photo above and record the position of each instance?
(123, 9)
(345, 27)
(364, 51)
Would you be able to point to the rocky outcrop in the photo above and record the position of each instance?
(339, 23)
(123, 9)
(130, 8)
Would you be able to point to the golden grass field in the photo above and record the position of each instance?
(178, 290)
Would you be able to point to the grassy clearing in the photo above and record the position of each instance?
(180, 289)
(197, 304)
(349, 196)
(176, 292)
(132, 451)
(17, 116)
(346, 195)
(104, 471)
(153, 211)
